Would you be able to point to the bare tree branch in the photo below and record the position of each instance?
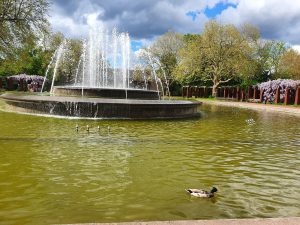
(225, 81)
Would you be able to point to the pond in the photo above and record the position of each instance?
(49, 173)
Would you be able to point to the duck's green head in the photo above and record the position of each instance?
(213, 190)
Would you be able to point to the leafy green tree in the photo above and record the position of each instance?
(263, 56)
(191, 61)
(256, 56)
(69, 61)
(166, 49)
(31, 58)
(277, 50)
(218, 55)
(21, 62)
(20, 20)
(266, 59)
(164, 54)
(289, 65)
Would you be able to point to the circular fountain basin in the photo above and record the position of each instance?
(118, 93)
(100, 107)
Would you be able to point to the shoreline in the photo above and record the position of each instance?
(282, 109)
(255, 221)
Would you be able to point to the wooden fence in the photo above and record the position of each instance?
(197, 92)
(252, 94)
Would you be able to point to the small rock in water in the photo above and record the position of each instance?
(87, 128)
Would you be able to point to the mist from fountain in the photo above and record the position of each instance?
(77, 69)
(153, 71)
(107, 60)
(165, 76)
(48, 68)
(145, 79)
(59, 54)
(162, 88)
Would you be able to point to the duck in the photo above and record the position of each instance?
(202, 193)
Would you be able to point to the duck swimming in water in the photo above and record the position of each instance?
(202, 193)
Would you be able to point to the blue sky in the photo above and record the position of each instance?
(136, 45)
(146, 20)
(218, 9)
(211, 13)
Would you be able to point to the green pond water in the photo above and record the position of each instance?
(51, 174)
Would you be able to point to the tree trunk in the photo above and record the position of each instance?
(214, 90)
(215, 86)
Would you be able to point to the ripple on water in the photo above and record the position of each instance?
(138, 172)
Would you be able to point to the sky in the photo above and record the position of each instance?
(145, 20)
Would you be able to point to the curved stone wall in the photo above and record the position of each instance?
(101, 108)
(106, 93)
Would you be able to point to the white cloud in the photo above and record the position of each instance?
(296, 48)
(276, 19)
(68, 26)
(147, 19)
(142, 19)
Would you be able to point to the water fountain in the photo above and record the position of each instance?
(101, 87)
(94, 75)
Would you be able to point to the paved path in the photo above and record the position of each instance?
(289, 110)
(270, 221)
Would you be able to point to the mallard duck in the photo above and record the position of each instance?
(202, 193)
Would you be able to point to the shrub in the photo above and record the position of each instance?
(270, 88)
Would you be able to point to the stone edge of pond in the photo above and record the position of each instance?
(287, 110)
(256, 221)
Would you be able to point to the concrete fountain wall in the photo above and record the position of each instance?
(100, 107)
(106, 92)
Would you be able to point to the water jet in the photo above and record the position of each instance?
(102, 86)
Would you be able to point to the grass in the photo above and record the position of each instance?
(206, 99)
(282, 104)
(193, 98)
(23, 92)
(211, 99)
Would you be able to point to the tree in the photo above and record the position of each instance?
(277, 50)
(289, 65)
(20, 19)
(191, 61)
(255, 66)
(263, 56)
(164, 53)
(218, 55)
(162, 57)
(70, 60)
(31, 58)
(166, 49)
